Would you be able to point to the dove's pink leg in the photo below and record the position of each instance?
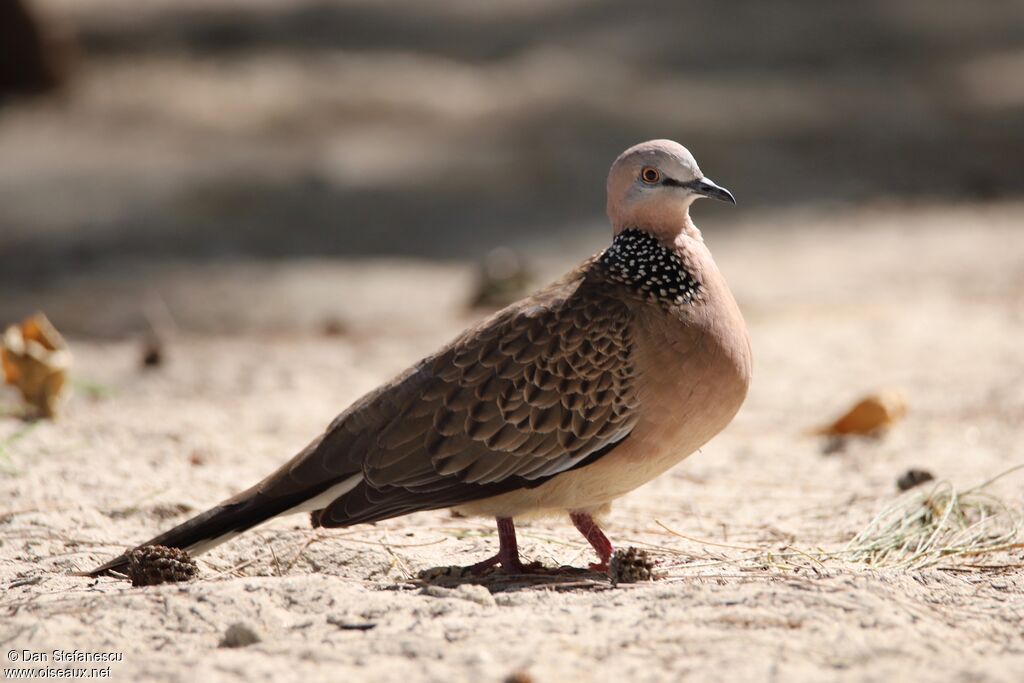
(595, 537)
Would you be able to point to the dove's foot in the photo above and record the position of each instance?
(508, 554)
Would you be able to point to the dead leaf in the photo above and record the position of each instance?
(36, 359)
(871, 416)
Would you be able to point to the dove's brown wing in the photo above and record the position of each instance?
(538, 389)
(541, 387)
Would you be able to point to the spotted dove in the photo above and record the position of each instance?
(561, 402)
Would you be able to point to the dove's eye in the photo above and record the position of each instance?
(650, 175)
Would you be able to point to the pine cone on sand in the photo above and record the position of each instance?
(630, 566)
(151, 565)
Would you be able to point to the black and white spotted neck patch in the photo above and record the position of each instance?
(637, 260)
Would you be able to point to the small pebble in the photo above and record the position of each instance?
(912, 478)
(152, 351)
(333, 326)
(467, 591)
(239, 635)
(346, 625)
(519, 677)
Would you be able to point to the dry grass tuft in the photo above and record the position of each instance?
(943, 527)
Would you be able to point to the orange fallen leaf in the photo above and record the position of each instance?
(870, 416)
(36, 359)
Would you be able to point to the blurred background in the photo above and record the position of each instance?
(271, 162)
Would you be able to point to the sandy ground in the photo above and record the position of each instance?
(925, 299)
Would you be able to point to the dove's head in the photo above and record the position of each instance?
(651, 187)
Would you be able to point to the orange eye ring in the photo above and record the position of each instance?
(650, 175)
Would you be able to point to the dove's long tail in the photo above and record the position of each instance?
(228, 519)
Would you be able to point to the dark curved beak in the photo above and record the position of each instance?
(707, 188)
